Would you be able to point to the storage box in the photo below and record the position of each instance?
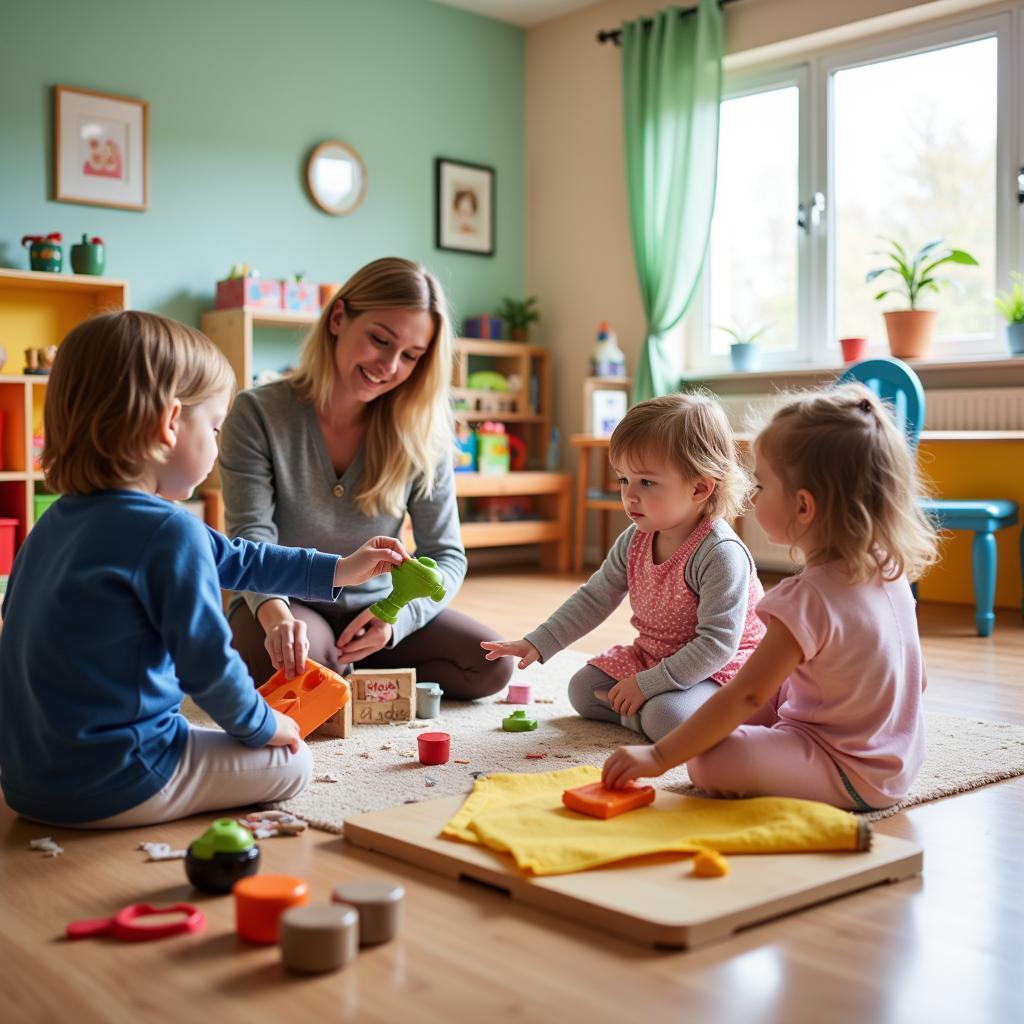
(383, 695)
(7, 532)
(482, 326)
(254, 292)
(40, 503)
(300, 297)
(373, 712)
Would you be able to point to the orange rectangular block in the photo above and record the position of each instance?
(310, 698)
(595, 800)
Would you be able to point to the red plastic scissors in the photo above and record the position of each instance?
(122, 925)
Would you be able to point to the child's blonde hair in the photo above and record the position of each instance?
(409, 430)
(692, 433)
(843, 446)
(114, 377)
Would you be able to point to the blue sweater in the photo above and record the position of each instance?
(112, 614)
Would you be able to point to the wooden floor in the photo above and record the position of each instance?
(945, 947)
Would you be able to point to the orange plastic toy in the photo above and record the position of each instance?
(260, 900)
(310, 698)
(595, 800)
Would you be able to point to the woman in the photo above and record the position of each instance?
(340, 451)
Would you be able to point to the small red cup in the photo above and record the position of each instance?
(854, 349)
(434, 747)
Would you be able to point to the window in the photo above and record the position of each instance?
(911, 140)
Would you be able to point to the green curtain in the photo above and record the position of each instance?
(671, 91)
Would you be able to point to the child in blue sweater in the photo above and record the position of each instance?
(113, 609)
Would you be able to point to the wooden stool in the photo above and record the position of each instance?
(379, 903)
(320, 938)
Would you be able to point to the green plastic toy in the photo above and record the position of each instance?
(417, 577)
(225, 853)
(518, 722)
(225, 835)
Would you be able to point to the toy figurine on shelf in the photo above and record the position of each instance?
(45, 252)
(465, 449)
(415, 578)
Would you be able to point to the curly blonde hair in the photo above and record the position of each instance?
(692, 432)
(409, 430)
(114, 378)
(842, 445)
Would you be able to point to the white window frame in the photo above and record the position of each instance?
(816, 248)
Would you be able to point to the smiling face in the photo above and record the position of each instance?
(377, 350)
(656, 496)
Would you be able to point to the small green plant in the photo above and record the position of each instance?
(917, 273)
(518, 315)
(1011, 303)
(741, 335)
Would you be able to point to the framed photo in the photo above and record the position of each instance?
(100, 149)
(464, 207)
(607, 409)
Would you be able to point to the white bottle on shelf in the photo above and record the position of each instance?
(607, 359)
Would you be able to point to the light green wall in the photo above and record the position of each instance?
(239, 92)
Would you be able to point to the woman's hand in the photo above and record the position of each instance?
(521, 649)
(363, 636)
(626, 697)
(286, 734)
(288, 646)
(629, 763)
(377, 556)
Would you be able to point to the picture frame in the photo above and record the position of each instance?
(464, 206)
(100, 149)
(608, 408)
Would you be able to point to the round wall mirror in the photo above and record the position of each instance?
(336, 177)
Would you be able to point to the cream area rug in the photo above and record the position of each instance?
(378, 766)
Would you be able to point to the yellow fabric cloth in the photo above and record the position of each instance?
(523, 815)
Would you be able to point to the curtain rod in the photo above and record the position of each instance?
(614, 35)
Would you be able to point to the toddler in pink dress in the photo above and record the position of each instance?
(691, 582)
(829, 706)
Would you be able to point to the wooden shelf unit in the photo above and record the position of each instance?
(37, 309)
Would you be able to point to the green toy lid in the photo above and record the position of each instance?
(224, 836)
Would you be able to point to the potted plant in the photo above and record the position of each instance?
(744, 350)
(518, 315)
(911, 331)
(1011, 305)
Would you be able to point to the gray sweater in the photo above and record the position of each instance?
(718, 572)
(279, 486)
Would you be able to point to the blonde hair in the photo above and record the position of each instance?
(692, 432)
(114, 378)
(409, 429)
(843, 446)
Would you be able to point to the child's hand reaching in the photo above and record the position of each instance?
(626, 697)
(629, 763)
(521, 649)
(286, 734)
(378, 555)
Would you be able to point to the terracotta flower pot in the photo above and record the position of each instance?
(853, 349)
(911, 332)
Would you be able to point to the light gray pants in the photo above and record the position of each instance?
(216, 772)
(658, 715)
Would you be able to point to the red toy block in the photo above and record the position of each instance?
(598, 802)
(310, 698)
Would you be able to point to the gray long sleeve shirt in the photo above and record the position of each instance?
(279, 486)
(720, 572)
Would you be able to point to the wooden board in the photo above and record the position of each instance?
(653, 900)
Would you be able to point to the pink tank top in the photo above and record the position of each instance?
(665, 611)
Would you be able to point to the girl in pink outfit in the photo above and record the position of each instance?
(829, 706)
(691, 582)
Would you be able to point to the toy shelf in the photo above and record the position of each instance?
(36, 310)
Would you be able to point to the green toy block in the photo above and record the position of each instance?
(418, 577)
(518, 722)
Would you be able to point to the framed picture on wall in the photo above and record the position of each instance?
(464, 206)
(100, 149)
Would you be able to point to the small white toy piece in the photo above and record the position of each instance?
(161, 851)
(48, 847)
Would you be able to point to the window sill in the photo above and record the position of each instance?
(934, 373)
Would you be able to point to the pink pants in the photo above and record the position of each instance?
(764, 757)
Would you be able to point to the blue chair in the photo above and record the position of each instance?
(895, 382)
